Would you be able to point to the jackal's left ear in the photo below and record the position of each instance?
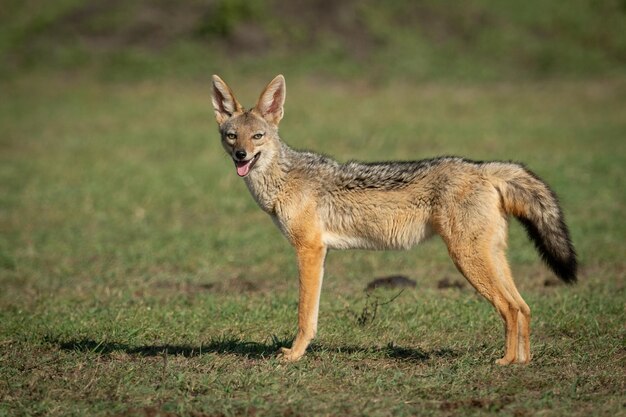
(270, 104)
(224, 101)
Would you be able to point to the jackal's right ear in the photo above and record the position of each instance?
(224, 101)
(270, 104)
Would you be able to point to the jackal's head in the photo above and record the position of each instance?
(250, 137)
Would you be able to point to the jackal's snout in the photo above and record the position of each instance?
(239, 154)
(245, 165)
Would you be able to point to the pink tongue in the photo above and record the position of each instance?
(243, 168)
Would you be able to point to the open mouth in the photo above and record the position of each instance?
(244, 167)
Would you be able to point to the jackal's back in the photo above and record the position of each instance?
(359, 176)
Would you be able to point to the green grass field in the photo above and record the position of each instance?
(139, 278)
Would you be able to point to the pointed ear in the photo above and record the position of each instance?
(224, 102)
(270, 104)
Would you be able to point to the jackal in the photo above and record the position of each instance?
(320, 204)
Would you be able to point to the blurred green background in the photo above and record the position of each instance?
(377, 40)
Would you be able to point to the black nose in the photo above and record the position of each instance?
(240, 154)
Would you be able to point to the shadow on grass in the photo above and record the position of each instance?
(252, 350)
(222, 346)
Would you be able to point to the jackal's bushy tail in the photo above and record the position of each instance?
(535, 205)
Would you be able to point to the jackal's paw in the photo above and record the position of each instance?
(503, 361)
(519, 361)
(289, 355)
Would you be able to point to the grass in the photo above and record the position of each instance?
(139, 278)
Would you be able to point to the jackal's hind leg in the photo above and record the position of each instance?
(523, 315)
(484, 271)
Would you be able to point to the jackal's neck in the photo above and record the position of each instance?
(266, 182)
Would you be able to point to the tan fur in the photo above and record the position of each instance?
(319, 204)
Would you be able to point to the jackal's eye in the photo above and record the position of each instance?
(257, 136)
(231, 135)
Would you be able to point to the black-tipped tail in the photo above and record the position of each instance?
(563, 263)
(534, 204)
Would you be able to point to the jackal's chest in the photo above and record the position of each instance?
(264, 195)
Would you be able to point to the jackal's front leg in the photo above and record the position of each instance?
(311, 266)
